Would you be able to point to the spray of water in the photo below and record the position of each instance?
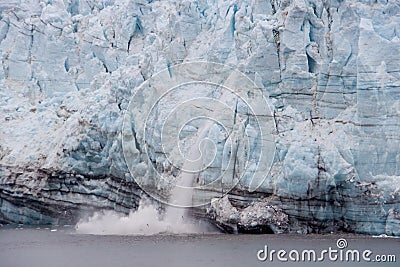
(147, 219)
(144, 221)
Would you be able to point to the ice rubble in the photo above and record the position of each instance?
(331, 69)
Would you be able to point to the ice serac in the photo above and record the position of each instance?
(330, 68)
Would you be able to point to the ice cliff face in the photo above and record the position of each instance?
(330, 68)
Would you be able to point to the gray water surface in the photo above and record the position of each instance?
(45, 248)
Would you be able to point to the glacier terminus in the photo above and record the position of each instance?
(329, 71)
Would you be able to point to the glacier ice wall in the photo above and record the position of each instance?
(330, 68)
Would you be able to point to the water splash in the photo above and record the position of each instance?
(147, 220)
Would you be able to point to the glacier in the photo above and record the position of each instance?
(330, 69)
